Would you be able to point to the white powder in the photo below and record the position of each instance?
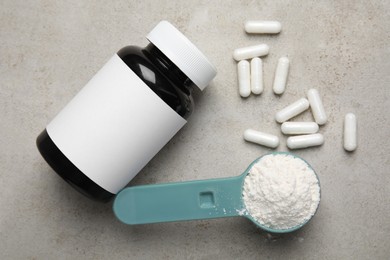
(281, 191)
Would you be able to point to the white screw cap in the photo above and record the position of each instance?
(187, 57)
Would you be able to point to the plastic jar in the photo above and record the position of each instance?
(126, 113)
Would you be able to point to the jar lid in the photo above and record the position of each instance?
(183, 53)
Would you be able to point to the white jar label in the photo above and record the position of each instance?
(114, 126)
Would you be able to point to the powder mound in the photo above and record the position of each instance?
(281, 191)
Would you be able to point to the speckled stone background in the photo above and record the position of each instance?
(50, 49)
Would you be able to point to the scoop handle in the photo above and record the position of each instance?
(179, 201)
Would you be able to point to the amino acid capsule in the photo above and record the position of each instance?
(317, 108)
(281, 74)
(244, 81)
(294, 128)
(263, 27)
(250, 52)
(256, 76)
(350, 129)
(304, 141)
(292, 110)
(261, 138)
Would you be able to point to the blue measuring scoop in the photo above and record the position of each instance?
(191, 200)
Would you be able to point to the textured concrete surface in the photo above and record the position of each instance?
(50, 49)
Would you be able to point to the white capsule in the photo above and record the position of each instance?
(304, 141)
(244, 80)
(281, 75)
(299, 128)
(263, 27)
(350, 132)
(317, 108)
(292, 110)
(250, 52)
(256, 76)
(261, 138)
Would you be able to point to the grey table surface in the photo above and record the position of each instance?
(50, 49)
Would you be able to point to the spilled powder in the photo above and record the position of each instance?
(281, 191)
